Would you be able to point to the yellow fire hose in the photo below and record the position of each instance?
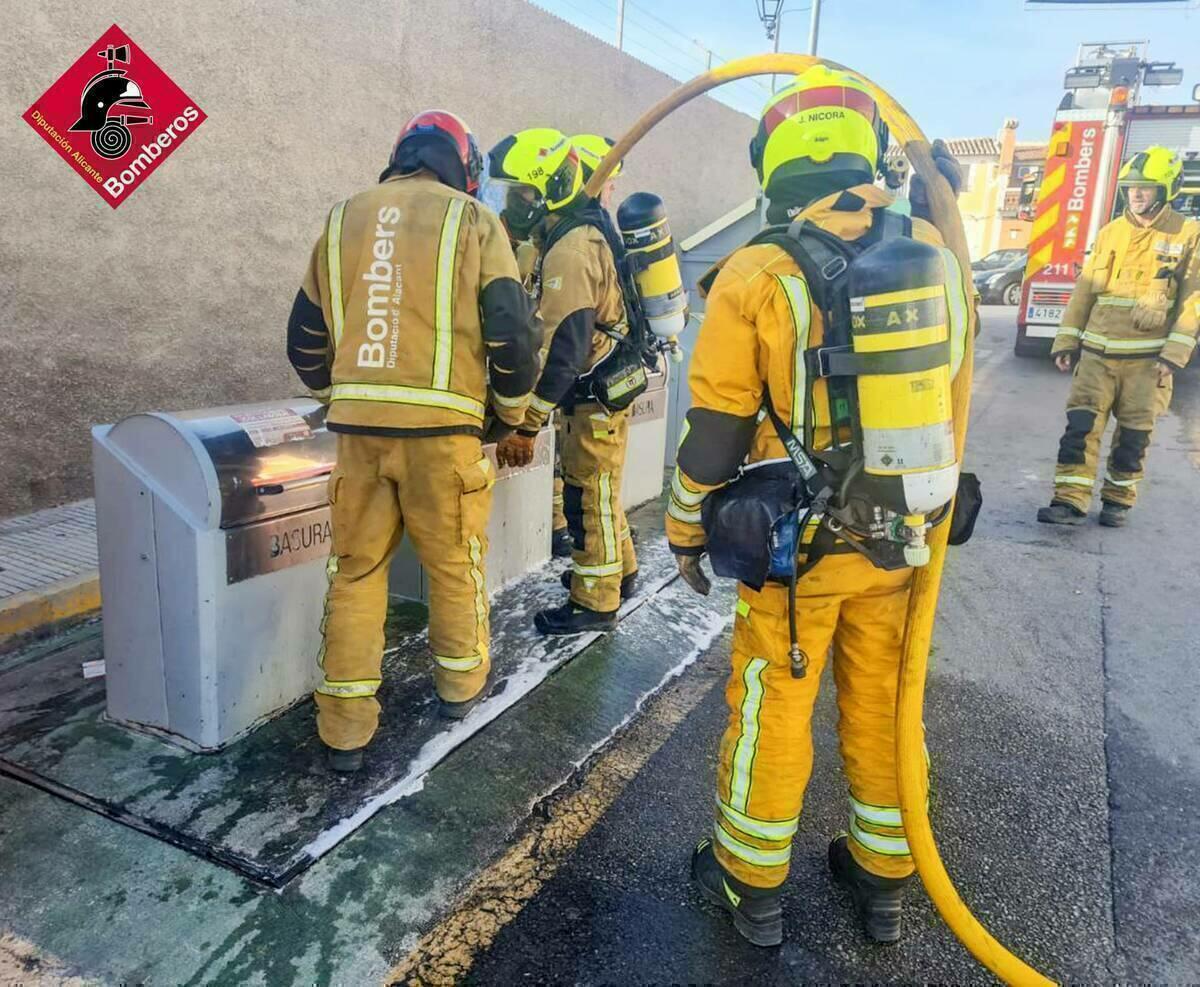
(918, 630)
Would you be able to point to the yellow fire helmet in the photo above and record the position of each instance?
(1157, 166)
(592, 150)
(530, 173)
(825, 124)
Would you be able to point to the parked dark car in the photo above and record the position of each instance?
(998, 276)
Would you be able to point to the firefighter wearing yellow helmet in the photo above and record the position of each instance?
(592, 150)
(1131, 322)
(796, 355)
(584, 314)
(529, 175)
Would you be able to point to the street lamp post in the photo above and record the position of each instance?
(775, 26)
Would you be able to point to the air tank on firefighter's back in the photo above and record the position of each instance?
(642, 220)
(899, 327)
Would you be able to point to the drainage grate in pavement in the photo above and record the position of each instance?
(39, 549)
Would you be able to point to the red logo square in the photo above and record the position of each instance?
(114, 116)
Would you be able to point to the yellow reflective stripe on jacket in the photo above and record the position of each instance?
(683, 514)
(878, 815)
(796, 293)
(1116, 301)
(459, 664)
(746, 748)
(1069, 331)
(398, 394)
(957, 307)
(1181, 338)
(333, 254)
(751, 854)
(888, 846)
(763, 829)
(506, 402)
(540, 405)
(1123, 345)
(443, 316)
(686, 496)
(684, 503)
(354, 689)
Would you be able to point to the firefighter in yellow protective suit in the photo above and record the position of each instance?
(1130, 324)
(818, 151)
(411, 303)
(591, 149)
(583, 312)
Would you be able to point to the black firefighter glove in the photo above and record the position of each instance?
(951, 170)
(693, 574)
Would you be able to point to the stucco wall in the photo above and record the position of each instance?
(178, 299)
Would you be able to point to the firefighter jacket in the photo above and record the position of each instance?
(759, 321)
(411, 303)
(581, 297)
(527, 256)
(1132, 269)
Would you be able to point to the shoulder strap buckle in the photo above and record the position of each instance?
(834, 268)
(829, 361)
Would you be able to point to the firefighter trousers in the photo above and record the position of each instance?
(1128, 389)
(559, 520)
(593, 464)
(438, 489)
(766, 752)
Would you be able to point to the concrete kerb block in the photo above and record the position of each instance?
(37, 609)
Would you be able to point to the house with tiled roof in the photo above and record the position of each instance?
(987, 165)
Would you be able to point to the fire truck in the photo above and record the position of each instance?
(1100, 124)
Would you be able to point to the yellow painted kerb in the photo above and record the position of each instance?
(48, 605)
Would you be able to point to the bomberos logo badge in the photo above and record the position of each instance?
(114, 116)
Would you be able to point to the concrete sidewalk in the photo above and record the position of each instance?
(48, 567)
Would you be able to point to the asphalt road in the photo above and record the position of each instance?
(1064, 730)
(553, 846)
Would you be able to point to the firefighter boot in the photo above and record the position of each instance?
(877, 900)
(571, 618)
(1060, 513)
(628, 583)
(459, 710)
(344, 762)
(561, 543)
(756, 912)
(1114, 515)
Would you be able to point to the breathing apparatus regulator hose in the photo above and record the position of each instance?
(926, 580)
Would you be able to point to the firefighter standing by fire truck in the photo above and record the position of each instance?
(412, 301)
(1131, 323)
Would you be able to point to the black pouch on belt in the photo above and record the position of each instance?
(967, 504)
(740, 517)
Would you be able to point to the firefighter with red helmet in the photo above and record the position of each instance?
(412, 325)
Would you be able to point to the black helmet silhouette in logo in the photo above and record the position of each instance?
(110, 134)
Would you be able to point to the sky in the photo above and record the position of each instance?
(960, 67)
